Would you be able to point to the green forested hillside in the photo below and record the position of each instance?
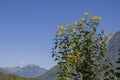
(4, 76)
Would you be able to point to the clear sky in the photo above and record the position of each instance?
(27, 27)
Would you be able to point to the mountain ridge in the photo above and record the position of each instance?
(29, 71)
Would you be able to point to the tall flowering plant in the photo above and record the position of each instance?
(79, 50)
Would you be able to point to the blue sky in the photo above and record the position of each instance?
(27, 27)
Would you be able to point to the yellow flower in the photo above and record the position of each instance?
(74, 30)
(94, 18)
(62, 27)
(69, 25)
(75, 61)
(60, 46)
(83, 19)
(76, 22)
(80, 40)
(71, 56)
(99, 18)
(60, 32)
(70, 47)
(78, 54)
(86, 13)
(74, 44)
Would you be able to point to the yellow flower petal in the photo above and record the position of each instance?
(60, 32)
(60, 46)
(70, 47)
(83, 19)
(76, 22)
(69, 25)
(75, 61)
(74, 30)
(94, 18)
(62, 27)
(71, 56)
(80, 40)
(99, 18)
(78, 54)
(86, 13)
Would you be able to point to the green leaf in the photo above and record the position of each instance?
(55, 46)
(53, 55)
(112, 71)
(106, 73)
(56, 59)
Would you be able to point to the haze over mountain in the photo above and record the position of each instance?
(113, 46)
(111, 54)
(29, 71)
(50, 74)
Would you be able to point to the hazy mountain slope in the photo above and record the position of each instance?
(112, 50)
(50, 75)
(29, 71)
(111, 54)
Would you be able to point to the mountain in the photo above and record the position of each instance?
(111, 54)
(29, 71)
(49, 75)
(112, 49)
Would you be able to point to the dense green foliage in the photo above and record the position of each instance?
(4, 76)
(80, 51)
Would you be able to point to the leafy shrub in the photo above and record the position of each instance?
(79, 50)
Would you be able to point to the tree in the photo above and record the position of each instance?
(79, 50)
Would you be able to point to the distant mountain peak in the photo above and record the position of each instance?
(31, 65)
(29, 70)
